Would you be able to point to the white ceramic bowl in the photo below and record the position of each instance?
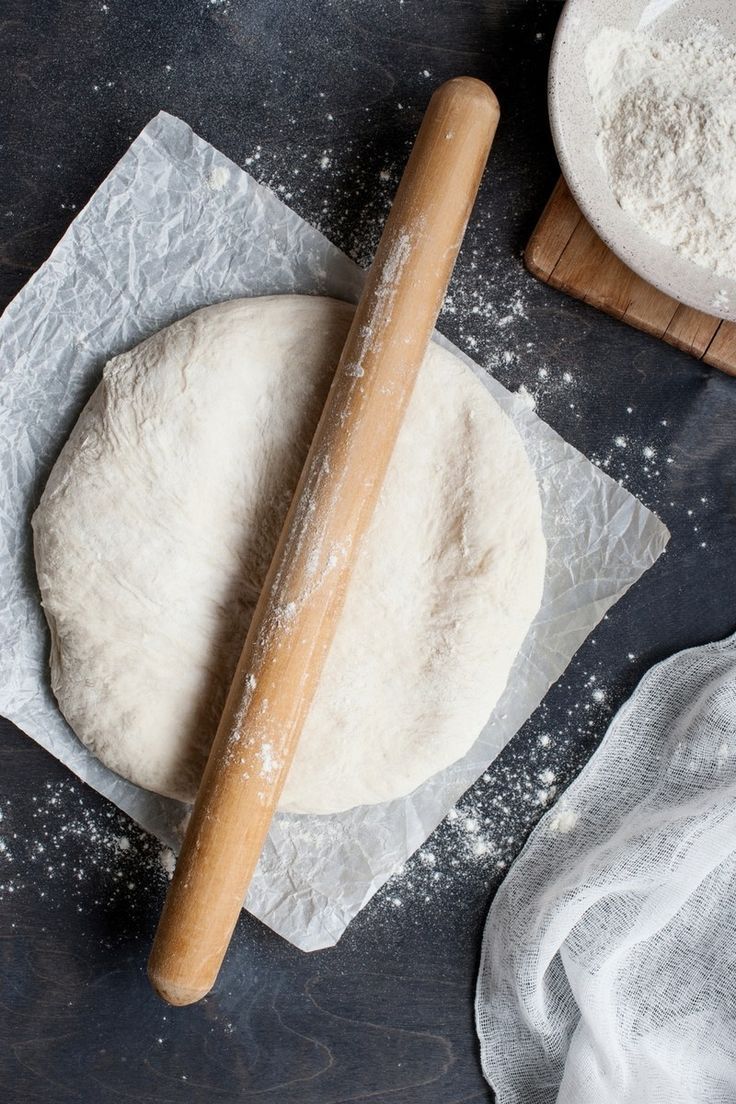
(573, 124)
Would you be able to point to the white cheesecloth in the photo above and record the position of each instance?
(608, 968)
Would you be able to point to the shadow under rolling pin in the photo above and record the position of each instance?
(299, 607)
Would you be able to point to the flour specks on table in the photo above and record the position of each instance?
(490, 313)
(491, 310)
(113, 858)
(480, 838)
(325, 186)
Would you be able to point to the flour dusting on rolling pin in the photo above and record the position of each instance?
(666, 134)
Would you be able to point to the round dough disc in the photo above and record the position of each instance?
(160, 516)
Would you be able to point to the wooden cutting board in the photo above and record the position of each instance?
(565, 251)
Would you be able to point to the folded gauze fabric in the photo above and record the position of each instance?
(608, 969)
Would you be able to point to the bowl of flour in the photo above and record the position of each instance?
(642, 97)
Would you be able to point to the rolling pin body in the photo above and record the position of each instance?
(300, 603)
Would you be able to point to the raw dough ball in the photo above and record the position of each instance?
(158, 522)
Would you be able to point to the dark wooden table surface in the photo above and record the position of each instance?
(334, 90)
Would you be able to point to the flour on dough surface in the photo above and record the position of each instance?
(159, 519)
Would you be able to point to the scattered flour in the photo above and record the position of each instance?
(167, 859)
(563, 820)
(667, 136)
(63, 845)
(218, 178)
(528, 401)
(488, 314)
(480, 838)
(67, 847)
(347, 191)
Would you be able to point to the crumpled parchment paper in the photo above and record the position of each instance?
(175, 226)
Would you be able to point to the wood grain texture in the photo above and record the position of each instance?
(721, 352)
(690, 330)
(553, 232)
(566, 252)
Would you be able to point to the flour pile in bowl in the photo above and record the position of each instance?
(667, 136)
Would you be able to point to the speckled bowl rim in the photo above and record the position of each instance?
(572, 124)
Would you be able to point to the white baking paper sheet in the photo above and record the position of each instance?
(175, 226)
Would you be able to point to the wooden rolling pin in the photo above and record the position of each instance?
(299, 607)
